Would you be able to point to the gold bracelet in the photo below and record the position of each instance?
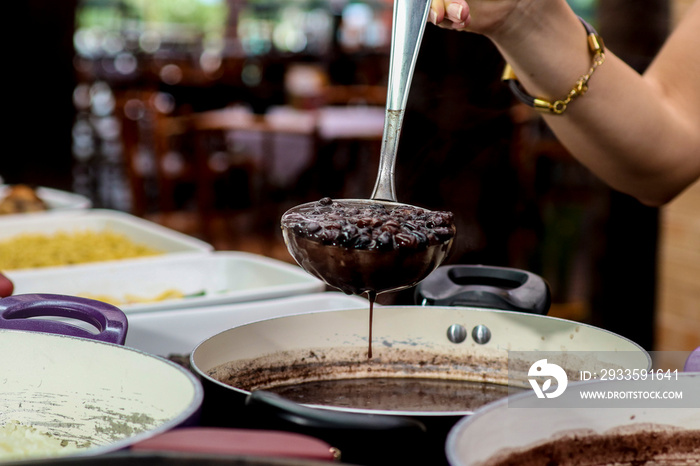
(595, 44)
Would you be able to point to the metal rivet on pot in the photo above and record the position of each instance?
(481, 334)
(456, 333)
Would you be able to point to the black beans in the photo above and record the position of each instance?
(363, 242)
(406, 240)
(385, 241)
(372, 226)
(329, 236)
(312, 227)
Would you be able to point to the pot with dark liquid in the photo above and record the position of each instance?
(574, 430)
(431, 366)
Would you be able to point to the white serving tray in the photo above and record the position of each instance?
(55, 199)
(207, 279)
(135, 228)
(180, 331)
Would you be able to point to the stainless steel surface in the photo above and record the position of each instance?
(410, 17)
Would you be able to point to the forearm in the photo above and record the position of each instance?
(626, 132)
(638, 135)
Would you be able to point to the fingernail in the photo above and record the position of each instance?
(455, 11)
(433, 17)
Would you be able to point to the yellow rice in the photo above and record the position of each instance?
(31, 250)
(135, 299)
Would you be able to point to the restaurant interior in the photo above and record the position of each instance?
(213, 117)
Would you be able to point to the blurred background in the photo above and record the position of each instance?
(213, 117)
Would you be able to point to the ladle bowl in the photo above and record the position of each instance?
(356, 270)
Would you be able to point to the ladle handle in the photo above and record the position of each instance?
(410, 18)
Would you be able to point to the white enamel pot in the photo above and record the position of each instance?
(524, 421)
(459, 342)
(83, 390)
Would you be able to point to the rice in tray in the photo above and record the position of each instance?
(134, 299)
(19, 442)
(31, 250)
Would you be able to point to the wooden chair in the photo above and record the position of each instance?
(357, 94)
(219, 141)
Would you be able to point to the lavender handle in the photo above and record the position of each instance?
(692, 364)
(110, 321)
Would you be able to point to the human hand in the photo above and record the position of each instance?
(450, 14)
(481, 16)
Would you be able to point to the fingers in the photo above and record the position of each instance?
(457, 12)
(437, 11)
(451, 14)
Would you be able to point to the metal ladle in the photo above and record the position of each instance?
(357, 271)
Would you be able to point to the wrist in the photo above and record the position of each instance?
(557, 107)
(546, 46)
(525, 20)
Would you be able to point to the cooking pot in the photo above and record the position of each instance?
(525, 421)
(81, 385)
(241, 366)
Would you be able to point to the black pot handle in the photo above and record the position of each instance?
(485, 286)
(285, 411)
(352, 433)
